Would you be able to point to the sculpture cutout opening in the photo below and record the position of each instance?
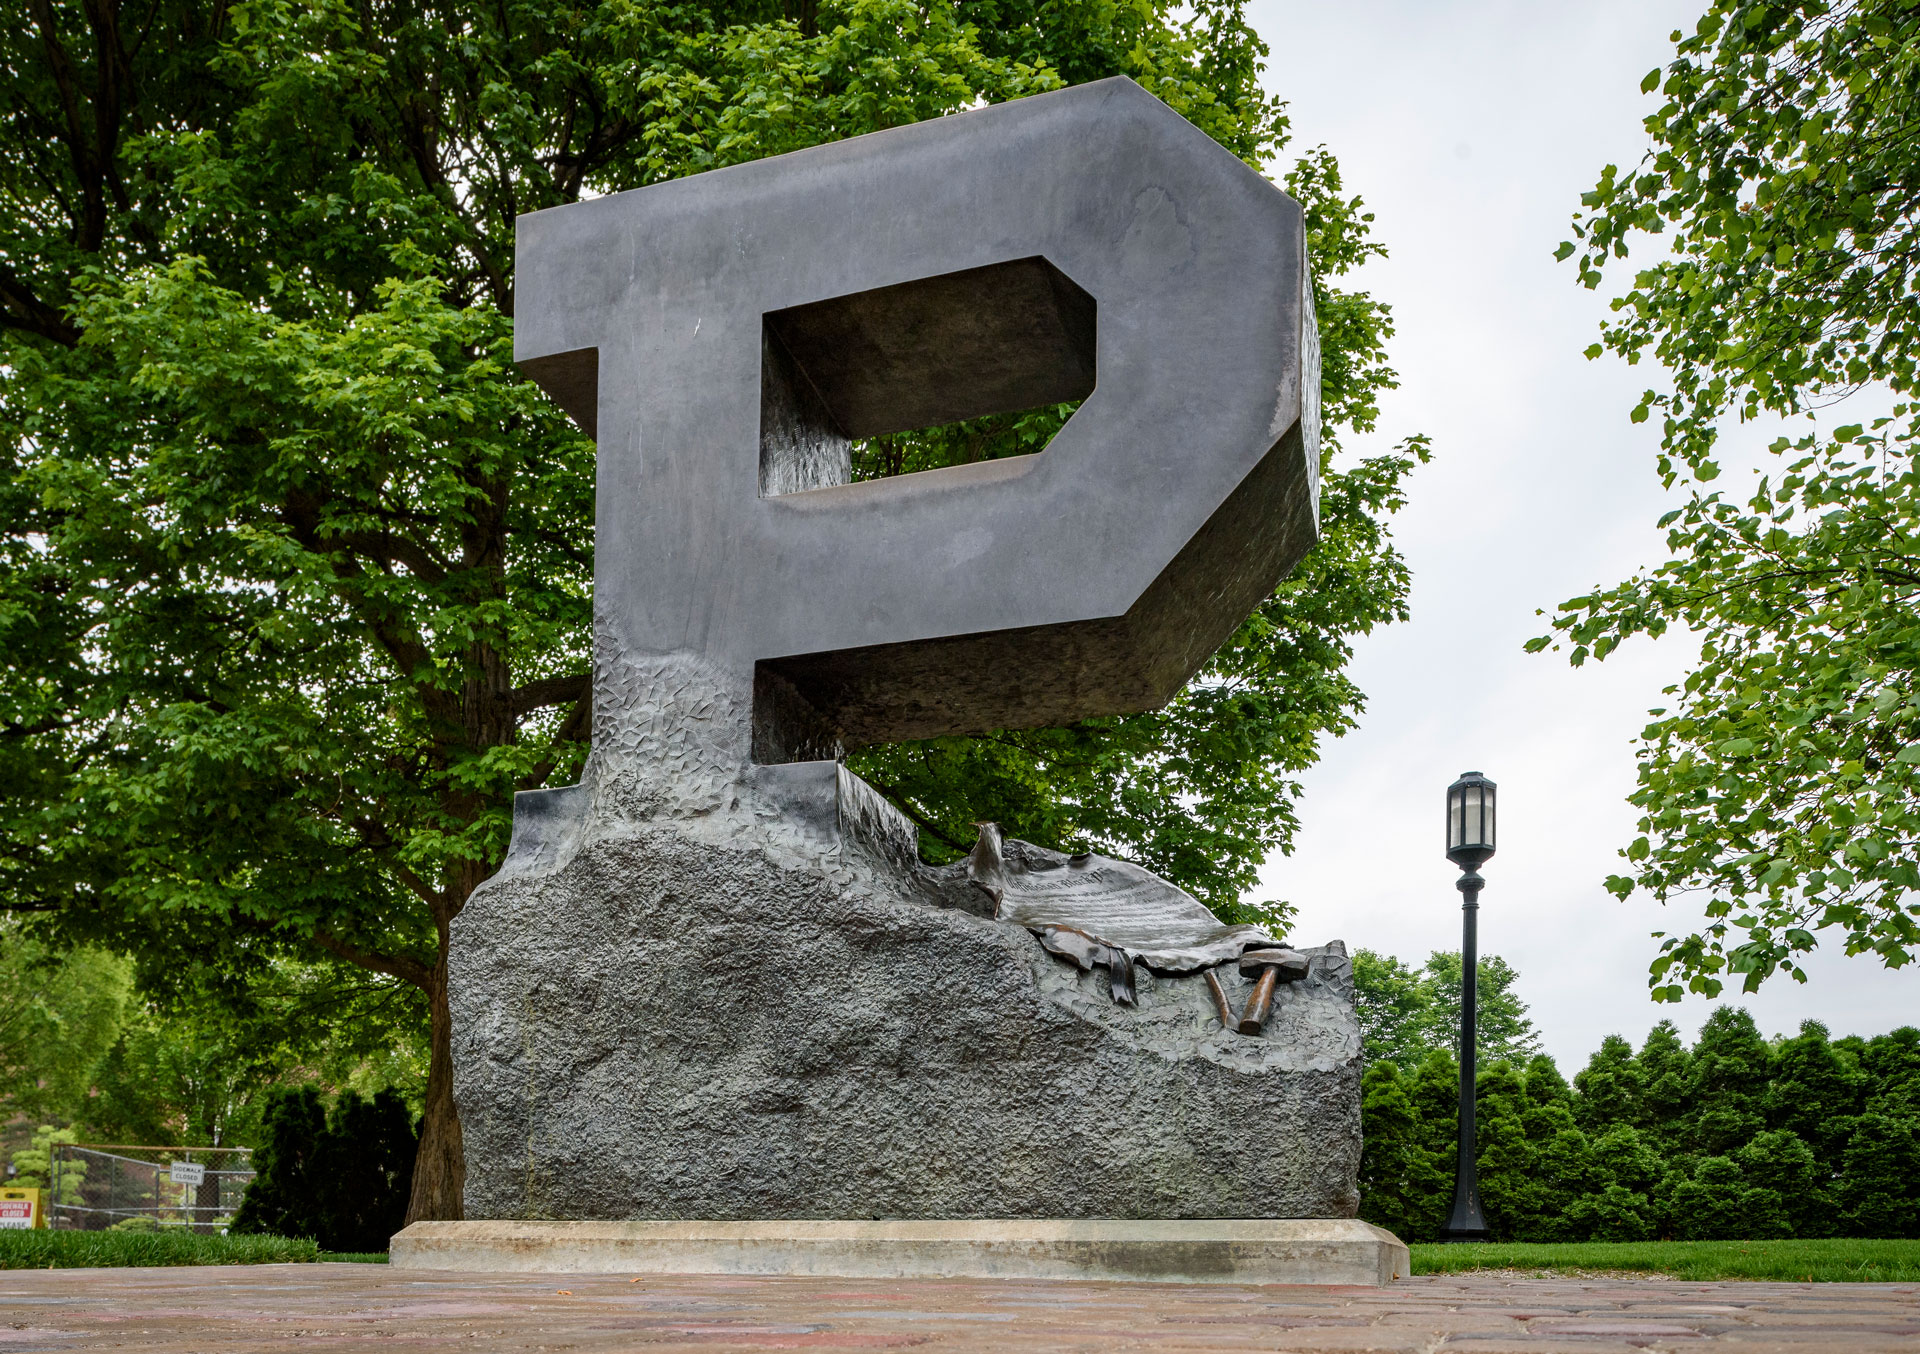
(1018, 436)
(918, 355)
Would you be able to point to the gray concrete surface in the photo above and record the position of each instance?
(354, 1307)
(1331, 1251)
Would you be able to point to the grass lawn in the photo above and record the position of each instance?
(46, 1249)
(1784, 1261)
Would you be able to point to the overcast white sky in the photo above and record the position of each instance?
(1471, 128)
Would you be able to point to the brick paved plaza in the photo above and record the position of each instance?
(318, 1307)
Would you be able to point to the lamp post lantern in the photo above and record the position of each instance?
(1469, 845)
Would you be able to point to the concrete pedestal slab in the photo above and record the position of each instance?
(1245, 1251)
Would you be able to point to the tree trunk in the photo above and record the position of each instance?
(439, 1167)
(487, 721)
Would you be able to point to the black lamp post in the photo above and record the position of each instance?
(1469, 845)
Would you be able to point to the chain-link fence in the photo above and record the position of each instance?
(93, 1186)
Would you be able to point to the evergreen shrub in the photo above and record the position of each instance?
(341, 1179)
(1736, 1138)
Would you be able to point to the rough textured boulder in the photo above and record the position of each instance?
(761, 1006)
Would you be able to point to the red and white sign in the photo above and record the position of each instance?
(16, 1214)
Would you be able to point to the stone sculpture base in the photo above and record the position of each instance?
(1338, 1251)
(773, 1011)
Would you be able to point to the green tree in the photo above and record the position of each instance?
(1715, 1202)
(1879, 1189)
(1436, 1102)
(294, 570)
(1627, 1171)
(1395, 1004)
(1623, 1156)
(190, 1079)
(1399, 1178)
(341, 1177)
(1893, 1059)
(1546, 1088)
(1614, 1213)
(1406, 1013)
(1815, 1092)
(1612, 1087)
(33, 1166)
(1730, 1066)
(58, 1014)
(1781, 1162)
(195, 1065)
(366, 1164)
(1503, 1030)
(1666, 1070)
(287, 1196)
(1708, 1159)
(1781, 780)
(1509, 1193)
(1560, 1168)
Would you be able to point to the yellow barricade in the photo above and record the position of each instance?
(22, 1208)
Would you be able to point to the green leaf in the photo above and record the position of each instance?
(1760, 252)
